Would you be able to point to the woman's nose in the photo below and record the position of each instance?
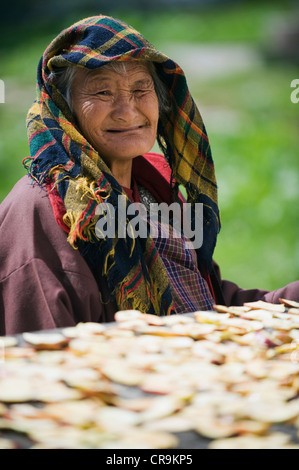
(124, 107)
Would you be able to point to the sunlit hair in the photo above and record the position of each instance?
(63, 79)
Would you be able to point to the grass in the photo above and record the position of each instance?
(256, 159)
(251, 121)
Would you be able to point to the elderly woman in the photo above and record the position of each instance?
(105, 95)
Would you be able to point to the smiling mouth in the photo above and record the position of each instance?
(128, 129)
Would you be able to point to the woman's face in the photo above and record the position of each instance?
(117, 112)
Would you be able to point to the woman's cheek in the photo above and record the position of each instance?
(87, 109)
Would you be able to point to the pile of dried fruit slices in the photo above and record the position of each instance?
(229, 377)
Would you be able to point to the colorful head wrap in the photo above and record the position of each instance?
(61, 157)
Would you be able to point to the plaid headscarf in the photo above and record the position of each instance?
(62, 158)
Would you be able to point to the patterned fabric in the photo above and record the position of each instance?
(189, 289)
(62, 159)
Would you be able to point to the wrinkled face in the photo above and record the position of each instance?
(116, 111)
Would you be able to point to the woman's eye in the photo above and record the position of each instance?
(139, 92)
(103, 93)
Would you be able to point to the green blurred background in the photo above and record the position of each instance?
(240, 58)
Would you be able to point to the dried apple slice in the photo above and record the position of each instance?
(279, 324)
(124, 315)
(142, 439)
(16, 390)
(213, 428)
(272, 441)
(46, 340)
(289, 303)
(68, 437)
(157, 383)
(287, 348)
(178, 342)
(84, 329)
(211, 317)
(273, 412)
(118, 332)
(177, 319)
(152, 319)
(257, 369)
(132, 404)
(131, 325)
(76, 413)
(261, 305)
(242, 324)
(121, 372)
(173, 424)
(258, 314)
(19, 353)
(238, 310)
(294, 311)
(195, 331)
(161, 407)
(248, 426)
(19, 411)
(116, 420)
(286, 316)
(56, 392)
(8, 341)
(157, 331)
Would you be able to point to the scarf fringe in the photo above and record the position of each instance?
(81, 223)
